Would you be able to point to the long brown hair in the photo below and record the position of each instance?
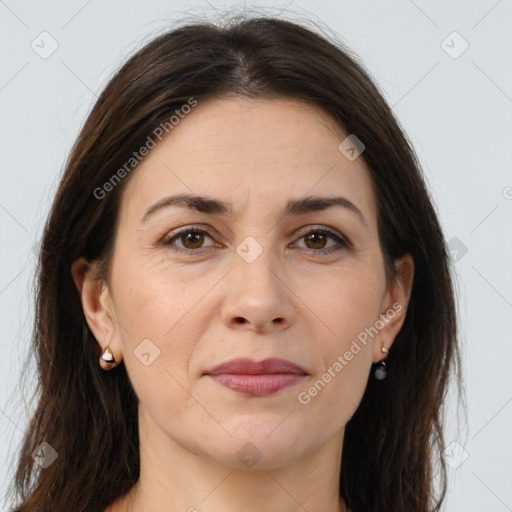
(393, 443)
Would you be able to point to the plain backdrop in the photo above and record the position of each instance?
(444, 67)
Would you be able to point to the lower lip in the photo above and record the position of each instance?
(258, 385)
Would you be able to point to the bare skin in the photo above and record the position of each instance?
(305, 297)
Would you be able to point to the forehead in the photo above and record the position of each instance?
(271, 149)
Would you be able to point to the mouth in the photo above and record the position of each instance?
(257, 378)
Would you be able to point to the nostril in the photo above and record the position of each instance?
(240, 320)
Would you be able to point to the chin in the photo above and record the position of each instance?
(259, 443)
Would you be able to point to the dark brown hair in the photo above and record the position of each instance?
(393, 443)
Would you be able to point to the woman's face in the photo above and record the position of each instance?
(269, 273)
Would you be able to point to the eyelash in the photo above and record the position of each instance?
(167, 241)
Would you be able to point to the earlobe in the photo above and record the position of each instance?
(395, 303)
(94, 296)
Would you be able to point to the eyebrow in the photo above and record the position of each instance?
(212, 206)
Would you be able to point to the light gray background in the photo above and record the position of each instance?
(457, 112)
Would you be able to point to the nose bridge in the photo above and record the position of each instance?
(256, 267)
(257, 294)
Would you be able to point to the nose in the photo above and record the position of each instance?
(258, 297)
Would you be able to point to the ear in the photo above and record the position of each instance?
(394, 305)
(97, 307)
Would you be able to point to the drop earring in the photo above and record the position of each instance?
(380, 372)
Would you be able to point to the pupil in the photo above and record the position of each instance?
(316, 238)
(193, 238)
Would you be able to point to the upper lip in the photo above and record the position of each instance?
(249, 367)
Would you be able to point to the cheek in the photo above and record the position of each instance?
(350, 309)
(158, 336)
(152, 298)
(332, 395)
(348, 304)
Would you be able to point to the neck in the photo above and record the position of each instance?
(177, 479)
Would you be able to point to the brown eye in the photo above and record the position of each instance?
(192, 240)
(316, 241)
(187, 240)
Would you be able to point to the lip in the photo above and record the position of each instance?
(244, 366)
(257, 378)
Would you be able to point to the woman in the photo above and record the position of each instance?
(244, 300)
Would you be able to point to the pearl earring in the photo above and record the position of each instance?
(108, 357)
